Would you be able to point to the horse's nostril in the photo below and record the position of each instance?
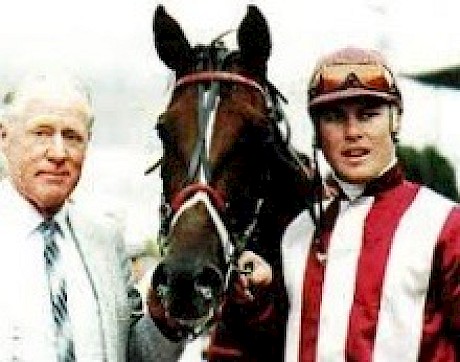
(209, 283)
(162, 291)
(205, 291)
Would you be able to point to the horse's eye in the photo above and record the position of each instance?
(161, 126)
(164, 134)
(161, 130)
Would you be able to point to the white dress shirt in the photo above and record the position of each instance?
(26, 329)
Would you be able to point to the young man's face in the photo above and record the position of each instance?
(356, 138)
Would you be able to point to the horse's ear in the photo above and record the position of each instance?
(254, 38)
(171, 44)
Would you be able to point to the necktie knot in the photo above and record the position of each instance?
(49, 227)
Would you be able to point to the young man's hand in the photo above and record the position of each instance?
(255, 274)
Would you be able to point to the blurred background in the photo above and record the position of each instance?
(109, 44)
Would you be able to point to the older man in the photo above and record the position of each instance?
(64, 273)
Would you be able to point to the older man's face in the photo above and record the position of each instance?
(45, 148)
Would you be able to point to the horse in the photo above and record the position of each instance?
(229, 173)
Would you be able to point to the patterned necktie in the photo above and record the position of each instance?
(58, 293)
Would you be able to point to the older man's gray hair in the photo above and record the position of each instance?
(58, 87)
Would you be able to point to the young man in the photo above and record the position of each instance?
(63, 270)
(378, 277)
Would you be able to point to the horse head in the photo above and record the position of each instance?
(218, 135)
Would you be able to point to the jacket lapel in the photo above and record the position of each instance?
(95, 256)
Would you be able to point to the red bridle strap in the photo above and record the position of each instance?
(211, 76)
(217, 198)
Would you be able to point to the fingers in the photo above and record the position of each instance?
(254, 274)
(257, 271)
(242, 293)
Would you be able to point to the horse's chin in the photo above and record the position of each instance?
(193, 327)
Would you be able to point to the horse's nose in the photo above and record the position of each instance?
(188, 293)
(207, 281)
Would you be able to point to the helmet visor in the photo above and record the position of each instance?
(338, 77)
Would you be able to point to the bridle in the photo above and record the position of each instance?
(233, 238)
(208, 84)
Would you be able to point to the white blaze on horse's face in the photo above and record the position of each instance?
(209, 129)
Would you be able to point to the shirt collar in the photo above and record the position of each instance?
(389, 175)
(351, 191)
(22, 213)
(60, 218)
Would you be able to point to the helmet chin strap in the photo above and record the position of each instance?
(395, 122)
(317, 212)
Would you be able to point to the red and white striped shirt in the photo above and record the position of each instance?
(389, 286)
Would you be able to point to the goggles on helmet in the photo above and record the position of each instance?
(339, 77)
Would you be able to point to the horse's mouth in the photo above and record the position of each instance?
(197, 326)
